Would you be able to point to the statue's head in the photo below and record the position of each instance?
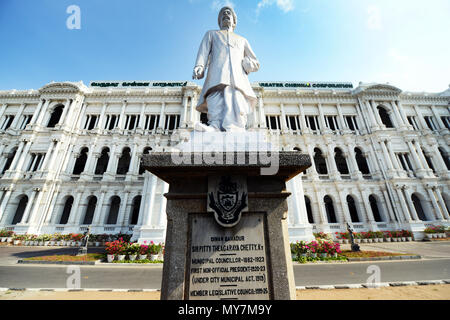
(227, 14)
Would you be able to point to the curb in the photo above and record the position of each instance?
(91, 263)
(77, 290)
(321, 287)
(375, 285)
(408, 257)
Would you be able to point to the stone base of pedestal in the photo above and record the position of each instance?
(205, 260)
(146, 234)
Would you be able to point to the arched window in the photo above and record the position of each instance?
(55, 117)
(9, 160)
(102, 163)
(135, 210)
(124, 161)
(319, 161)
(81, 162)
(375, 210)
(352, 209)
(419, 209)
(329, 208)
(20, 210)
(341, 163)
(90, 210)
(385, 117)
(361, 161)
(309, 210)
(114, 206)
(66, 211)
(146, 151)
(444, 156)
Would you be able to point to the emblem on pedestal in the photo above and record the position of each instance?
(228, 198)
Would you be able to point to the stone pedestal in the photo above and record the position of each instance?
(204, 260)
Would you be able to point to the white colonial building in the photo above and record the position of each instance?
(70, 155)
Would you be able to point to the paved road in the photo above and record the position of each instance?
(436, 266)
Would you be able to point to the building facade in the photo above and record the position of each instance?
(70, 155)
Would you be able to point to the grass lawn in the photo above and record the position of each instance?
(68, 257)
(371, 254)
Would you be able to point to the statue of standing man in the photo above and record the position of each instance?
(227, 96)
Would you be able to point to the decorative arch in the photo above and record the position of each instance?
(68, 203)
(20, 209)
(80, 164)
(329, 208)
(309, 211)
(145, 151)
(384, 116)
(351, 204)
(55, 115)
(90, 210)
(102, 163)
(361, 161)
(114, 206)
(375, 207)
(418, 202)
(320, 162)
(124, 162)
(341, 162)
(134, 213)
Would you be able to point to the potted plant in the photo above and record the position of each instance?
(143, 252)
(440, 230)
(294, 247)
(122, 252)
(133, 251)
(379, 236)
(3, 235)
(18, 238)
(302, 249)
(429, 232)
(154, 250)
(111, 249)
(313, 246)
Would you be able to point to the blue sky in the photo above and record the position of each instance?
(403, 42)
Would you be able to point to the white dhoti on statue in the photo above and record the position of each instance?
(227, 109)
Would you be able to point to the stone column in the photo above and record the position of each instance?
(22, 157)
(4, 203)
(143, 200)
(331, 159)
(402, 113)
(284, 127)
(162, 117)
(372, 114)
(346, 217)
(17, 116)
(438, 118)
(437, 210)
(442, 167)
(305, 128)
(422, 157)
(101, 119)
(343, 125)
(392, 155)
(420, 117)
(48, 154)
(149, 196)
(184, 119)
(323, 125)
(42, 113)
(398, 117)
(262, 116)
(122, 116)
(389, 205)
(18, 154)
(374, 109)
(133, 161)
(162, 209)
(75, 214)
(123, 209)
(410, 203)
(296, 208)
(26, 215)
(65, 110)
(442, 203)
(386, 155)
(368, 208)
(98, 213)
(2, 109)
(36, 112)
(414, 155)
(141, 123)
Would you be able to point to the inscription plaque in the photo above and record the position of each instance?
(227, 263)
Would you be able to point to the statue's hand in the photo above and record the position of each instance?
(199, 73)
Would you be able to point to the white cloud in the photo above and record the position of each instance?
(374, 19)
(413, 73)
(283, 5)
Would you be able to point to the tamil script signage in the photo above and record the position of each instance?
(307, 85)
(138, 84)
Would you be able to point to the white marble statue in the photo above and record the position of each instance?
(227, 96)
